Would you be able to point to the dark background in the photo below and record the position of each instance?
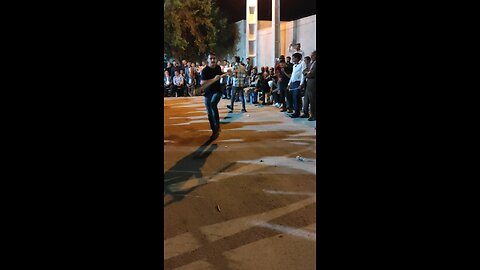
(289, 9)
(86, 131)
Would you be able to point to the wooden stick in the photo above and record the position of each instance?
(202, 88)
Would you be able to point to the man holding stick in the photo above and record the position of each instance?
(210, 84)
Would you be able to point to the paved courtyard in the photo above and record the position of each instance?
(243, 201)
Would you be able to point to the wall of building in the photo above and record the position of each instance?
(302, 30)
(241, 45)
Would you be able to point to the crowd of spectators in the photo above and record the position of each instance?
(290, 85)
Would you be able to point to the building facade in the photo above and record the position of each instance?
(299, 31)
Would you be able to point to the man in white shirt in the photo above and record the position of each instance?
(296, 83)
(298, 50)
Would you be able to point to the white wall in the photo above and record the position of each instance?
(241, 45)
(304, 29)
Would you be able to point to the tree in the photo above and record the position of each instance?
(227, 36)
(192, 28)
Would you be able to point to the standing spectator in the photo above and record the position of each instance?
(285, 95)
(295, 84)
(229, 86)
(198, 71)
(278, 67)
(312, 87)
(289, 65)
(186, 72)
(182, 73)
(306, 101)
(249, 67)
(176, 66)
(223, 81)
(191, 79)
(170, 69)
(298, 50)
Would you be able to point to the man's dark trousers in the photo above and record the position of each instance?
(296, 97)
(306, 101)
(211, 102)
(239, 90)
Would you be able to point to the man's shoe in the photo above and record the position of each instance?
(230, 111)
(243, 110)
(312, 119)
(290, 111)
(294, 116)
(305, 116)
(229, 107)
(283, 110)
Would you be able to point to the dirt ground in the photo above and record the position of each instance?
(243, 201)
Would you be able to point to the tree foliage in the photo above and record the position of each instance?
(192, 28)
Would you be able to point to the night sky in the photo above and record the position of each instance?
(290, 10)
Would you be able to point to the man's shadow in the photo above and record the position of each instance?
(184, 169)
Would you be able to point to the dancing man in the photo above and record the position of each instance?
(239, 77)
(210, 79)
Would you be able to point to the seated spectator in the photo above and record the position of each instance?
(275, 90)
(167, 84)
(178, 83)
(264, 88)
(271, 72)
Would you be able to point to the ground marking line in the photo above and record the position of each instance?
(186, 242)
(289, 192)
(288, 230)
